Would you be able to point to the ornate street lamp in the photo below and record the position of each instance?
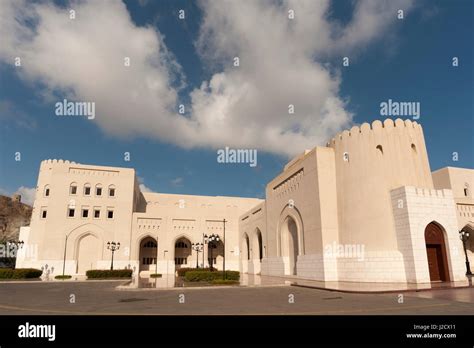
(198, 247)
(212, 240)
(464, 236)
(113, 246)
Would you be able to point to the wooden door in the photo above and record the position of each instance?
(432, 251)
(436, 252)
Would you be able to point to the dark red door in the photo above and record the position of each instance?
(432, 251)
(436, 252)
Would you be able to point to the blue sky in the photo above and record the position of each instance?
(402, 60)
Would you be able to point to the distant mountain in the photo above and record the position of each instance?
(13, 215)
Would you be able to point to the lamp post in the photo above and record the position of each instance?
(156, 261)
(204, 242)
(164, 256)
(464, 236)
(197, 247)
(113, 246)
(213, 239)
(223, 246)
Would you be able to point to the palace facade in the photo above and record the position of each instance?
(364, 208)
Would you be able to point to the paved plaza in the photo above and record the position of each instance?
(102, 297)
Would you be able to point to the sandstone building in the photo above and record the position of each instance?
(365, 207)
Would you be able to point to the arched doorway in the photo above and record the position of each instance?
(289, 245)
(245, 254)
(87, 253)
(182, 250)
(147, 255)
(257, 246)
(436, 252)
(217, 254)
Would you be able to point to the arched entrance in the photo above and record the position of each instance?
(257, 246)
(289, 245)
(147, 255)
(87, 253)
(245, 254)
(182, 250)
(436, 252)
(217, 254)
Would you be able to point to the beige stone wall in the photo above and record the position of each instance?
(380, 157)
(461, 182)
(136, 215)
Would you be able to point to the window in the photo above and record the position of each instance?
(379, 149)
(413, 148)
(85, 213)
(71, 212)
(96, 213)
(73, 189)
(149, 244)
(181, 245)
(466, 190)
(46, 191)
(43, 213)
(112, 191)
(149, 261)
(110, 214)
(98, 190)
(87, 190)
(181, 261)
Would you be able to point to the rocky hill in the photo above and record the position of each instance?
(13, 215)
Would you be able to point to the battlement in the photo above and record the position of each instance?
(422, 192)
(376, 127)
(57, 161)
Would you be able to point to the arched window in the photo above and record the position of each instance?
(467, 192)
(379, 149)
(181, 245)
(73, 189)
(46, 191)
(149, 244)
(87, 189)
(98, 190)
(112, 191)
(413, 148)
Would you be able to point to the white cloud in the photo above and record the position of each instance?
(281, 63)
(144, 188)
(27, 194)
(178, 182)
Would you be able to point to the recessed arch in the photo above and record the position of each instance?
(257, 245)
(182, 251)
(435, 240)
(148, 253)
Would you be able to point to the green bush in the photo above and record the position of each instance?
(63, 277)
(208, 276)
(225, 282)
(104, 273)
(20, 273)
(182, 271)
(155, 275)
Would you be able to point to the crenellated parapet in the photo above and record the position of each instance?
(377, 127)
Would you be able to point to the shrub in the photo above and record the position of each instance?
(63, 277)
(208, 276)
(182, 271)
(20, 273)
(104, 273)
(225, 282)
(155, 275)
